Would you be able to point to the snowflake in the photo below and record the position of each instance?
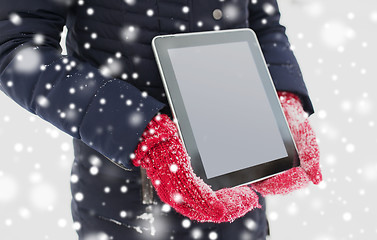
(268, 8)
(231, 12)
(135, 119)
(130, 33)
(8, 222)
(93, 170)
(135, 75)
(250, 224)
(123, 189)
(28, 61)
(43, 101)
(150, 12)
(350, 148)
(182, 27)
(76, 225)
(130, 2)
(185, 9)
(336, 33)
(213, 235)
(106, 189)
(173, 168)
(74, 178)
(79, 196)
(42, 195)
(90, 75)
(102, 101)
(18, 147)
(90, 11)
(186, 223)
(347, 216)
(24, 213)
(15, 19)
(196, 233)
(124, 76)
(58, 67)
(73, 129)
(165, 208)
(177, 197)
(38, 39)
(123, 214)
(111, 68)
(273, 216)
(62, 222)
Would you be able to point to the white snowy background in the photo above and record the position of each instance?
(335, 43)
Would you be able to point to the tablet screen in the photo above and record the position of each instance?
(223, 95)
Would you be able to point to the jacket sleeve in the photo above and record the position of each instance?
(107, 114)
(264, 17)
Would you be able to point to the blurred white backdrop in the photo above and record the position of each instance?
(335, 44)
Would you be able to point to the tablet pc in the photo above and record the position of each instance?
(225, 106)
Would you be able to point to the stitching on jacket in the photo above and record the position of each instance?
(52, 84)
(102, 6)
(126, 57)
(158, 16)
(115, 39)
(118, 10)
(83, 19)
(89, 105)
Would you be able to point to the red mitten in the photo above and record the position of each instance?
(168, 166)
(237, 201)
(307, 147)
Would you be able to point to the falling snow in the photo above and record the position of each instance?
(334, 46)
(15, 18)
(28, 61)
(130, 33)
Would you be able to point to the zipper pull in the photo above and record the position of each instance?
(147, 188)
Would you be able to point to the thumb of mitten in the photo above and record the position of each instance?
(303, 135)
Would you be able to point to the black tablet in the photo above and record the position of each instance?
(225, 106)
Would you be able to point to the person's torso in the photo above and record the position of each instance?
(116, 35)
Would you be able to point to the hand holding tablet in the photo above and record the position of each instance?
(168, 166)
(230, 134)
(307, 146)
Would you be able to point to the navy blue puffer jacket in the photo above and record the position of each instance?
(108, 88)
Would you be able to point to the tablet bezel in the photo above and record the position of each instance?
(160, 46)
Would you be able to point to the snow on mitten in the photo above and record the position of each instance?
(167, 164)
(237, 201)
(308, 151)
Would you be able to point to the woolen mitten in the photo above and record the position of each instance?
(308, 151)
(167, 164)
